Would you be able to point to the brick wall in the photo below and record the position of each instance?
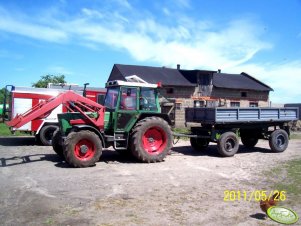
(237, 94)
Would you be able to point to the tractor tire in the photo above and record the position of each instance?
(199, 144)
(57, 143)
(248, 141)
(278, 140)
(46, 134)
(82, 149)
(228, 144)
(151, 140)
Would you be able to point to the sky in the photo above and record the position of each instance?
(83, 39)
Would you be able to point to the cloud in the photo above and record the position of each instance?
(12, 24)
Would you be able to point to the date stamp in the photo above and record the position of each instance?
(256, 195)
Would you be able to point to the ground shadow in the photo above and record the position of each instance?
(259, 216)
(25, 159)
(111, 156)
(18, 141)
(212, 150)
(108, 156)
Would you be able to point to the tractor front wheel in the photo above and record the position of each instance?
(151, 140)
(57, 143)
(46, 134)
(82, 149)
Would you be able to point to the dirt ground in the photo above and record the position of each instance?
(38, 188)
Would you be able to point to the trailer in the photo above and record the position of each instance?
(224, 126)
(22, 99)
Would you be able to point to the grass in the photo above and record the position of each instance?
(182, 131)
(287, 177)
(295, 136)
(4, 131)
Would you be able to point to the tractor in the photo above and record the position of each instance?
(130, 120)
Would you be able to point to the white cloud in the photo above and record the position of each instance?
(92, 13)
(12, 24)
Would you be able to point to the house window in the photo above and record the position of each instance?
(179, 106)
(244, 94)
(253, 104)
(199, 103)
(169, 90)
(235, 104)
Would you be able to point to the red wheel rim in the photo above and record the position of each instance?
(154, 140)
(84, 150)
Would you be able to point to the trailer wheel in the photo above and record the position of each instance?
(151, 139)
(199, 144)
(82, 149)
(278, 140)
(248, 141)
(228, 144)
(57, 143)
(46, 134)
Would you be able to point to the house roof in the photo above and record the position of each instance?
(239, 81)
(175, 77)
(167, 76)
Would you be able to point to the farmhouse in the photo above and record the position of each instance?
(199, 88)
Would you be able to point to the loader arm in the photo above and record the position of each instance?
(72, 101)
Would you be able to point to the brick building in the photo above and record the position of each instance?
(199, 88)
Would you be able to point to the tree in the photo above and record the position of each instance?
(2, 91)
(45, 79)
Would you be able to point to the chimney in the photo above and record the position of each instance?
(219, 70)
(178, 66)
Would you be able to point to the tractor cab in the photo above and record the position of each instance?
(125, 102)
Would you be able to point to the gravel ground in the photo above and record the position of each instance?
(38, 188)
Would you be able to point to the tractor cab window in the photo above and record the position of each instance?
(147, 100)
(128, 100)
(111, 97)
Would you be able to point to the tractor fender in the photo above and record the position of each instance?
(160, 115)
(92, 129)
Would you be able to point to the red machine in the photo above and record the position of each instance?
(70, 101)
(23, 99)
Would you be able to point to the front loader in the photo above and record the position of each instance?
(132, 122)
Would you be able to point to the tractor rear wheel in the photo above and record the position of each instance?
(57, 143)
(151, 139)
(46, 134)
(82, 149)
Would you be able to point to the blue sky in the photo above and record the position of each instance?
(82, 39)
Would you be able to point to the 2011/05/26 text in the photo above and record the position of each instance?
(257, 195)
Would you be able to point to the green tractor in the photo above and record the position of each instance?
(131, 122)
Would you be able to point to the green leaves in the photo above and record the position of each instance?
(45, 79)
